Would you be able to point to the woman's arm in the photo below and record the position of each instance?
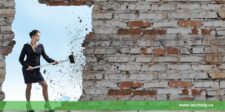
(45, 56)
(21, 58)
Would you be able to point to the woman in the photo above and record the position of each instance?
(33, 52)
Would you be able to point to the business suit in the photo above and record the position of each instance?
(33, 59)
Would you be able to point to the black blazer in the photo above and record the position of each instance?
(33, 56)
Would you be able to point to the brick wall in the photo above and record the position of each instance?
(155, 50)
(7, 12)
(146, 49)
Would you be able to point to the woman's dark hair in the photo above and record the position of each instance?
(34, 32)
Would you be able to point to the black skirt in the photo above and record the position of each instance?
(32, 76)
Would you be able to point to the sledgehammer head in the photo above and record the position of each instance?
(71, 58)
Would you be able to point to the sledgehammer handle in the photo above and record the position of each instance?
(48, 64)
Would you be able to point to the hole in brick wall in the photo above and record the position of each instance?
(63, 29)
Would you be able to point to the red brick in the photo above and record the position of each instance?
(196, 92)
(182, 84)
(185, 92)
(189, 23)
(129, 85)
(155, 32)
(141, 24)
(195, 23)
(195, 31)
(206, 31)
(183, 23)
(144, 93)
(159, 51)
(129, 31)
(173, 51)
(116, 92)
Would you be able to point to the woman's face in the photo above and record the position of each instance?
(36, 37)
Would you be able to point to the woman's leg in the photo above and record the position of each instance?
(28, 91)
(44, 90)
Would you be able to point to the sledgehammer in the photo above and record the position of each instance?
(71, 59)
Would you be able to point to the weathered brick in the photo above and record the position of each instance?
(163, 7)
(143, 77)
(133, 66)
(7, 11)
(192, 14)
(105, 84)
(155, 84)
(213, 59)
(130, 85)
(188, 6)
(217, 75)
(184, 74)
(120, 59)
(123, 92)
(138, 50)
(165, 24)
(189, 23)
(144, 50)
(173, 51)
(159, 51)
(185, 92)
(178, 30)
(142, 24)
(222, 84)
(157, 67)
(191, 59)
(95, 91)
(221, 14)
(166, 59)
(137, 6)
(182, 84)
(144, 93)
(202, 67)
(207, 84)
(143, 59)
(169, 91)
(100, 51)
(198, 92)
(202, 31)
(2, 71)
(7, 50)
(173, 43)
(215, 92)
(129, 32)
(99, 15)
(179, 67)
(155, 32)
(153, 15)
(198, 50)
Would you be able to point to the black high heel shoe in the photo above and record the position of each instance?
(48, 107)
(29, 107)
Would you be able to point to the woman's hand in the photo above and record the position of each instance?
(55, 63)
(30, 68)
